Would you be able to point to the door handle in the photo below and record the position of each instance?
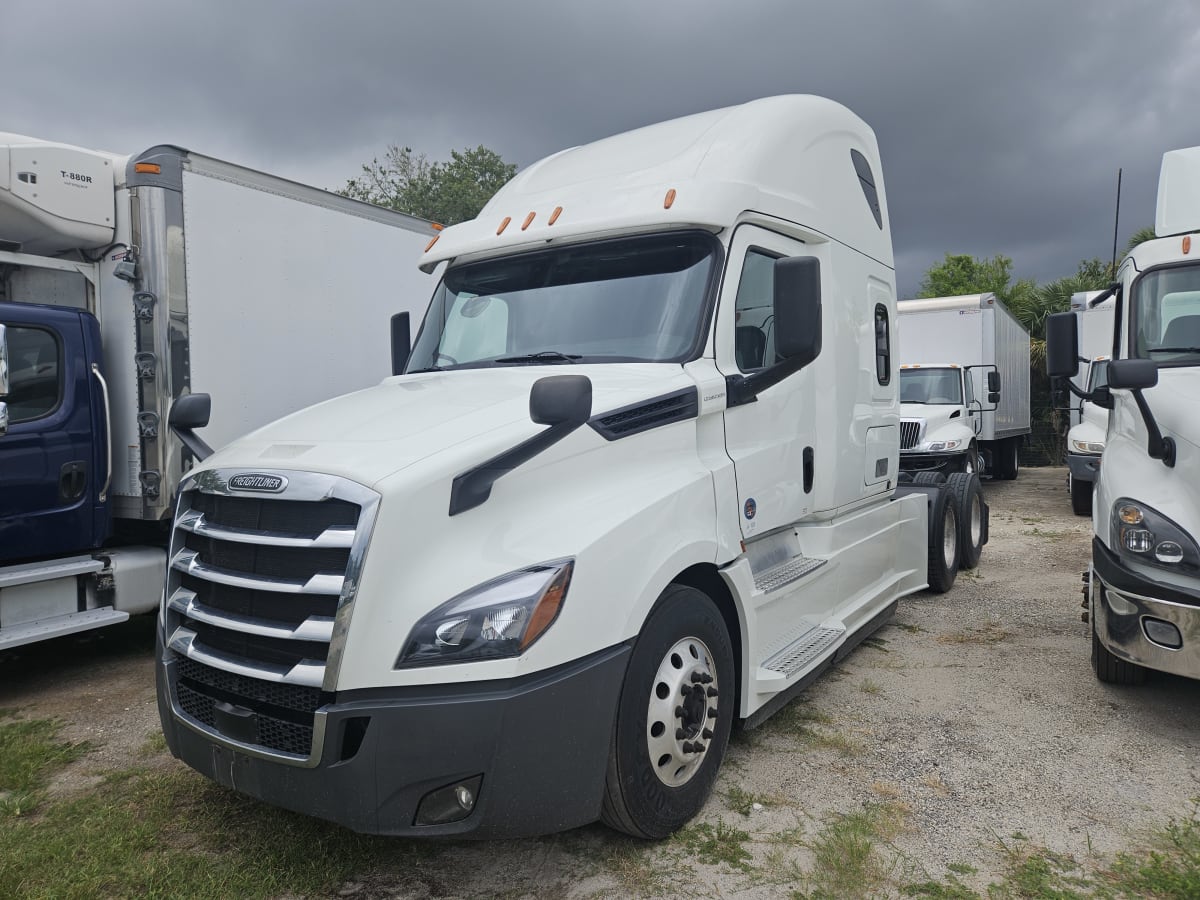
(103, 496)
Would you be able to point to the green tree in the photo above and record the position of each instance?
(445, 192)
(962, 274)
(1139, 236)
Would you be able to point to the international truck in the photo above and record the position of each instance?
(1143, 586)
(964, 386)
(127, 282)
(1089, 421)
(635, 482)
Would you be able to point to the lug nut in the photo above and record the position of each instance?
(705, 678)
(680, 734)
(707, 734)
(712, 692)
(680, 712)
(697, 678)
(687, 747)
(712, 713)
(699, 747)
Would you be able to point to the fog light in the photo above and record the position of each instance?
(1168, 552)
(1163, 633)
(1139, 540)
(450, 803)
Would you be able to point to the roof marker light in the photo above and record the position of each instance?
(155, 169)
(528, 221)
(669, 199)
(437, 226)
(503, 225)
(432, 241)
(1187, 245)
(554, 215)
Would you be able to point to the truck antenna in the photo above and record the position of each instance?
(1116, 223)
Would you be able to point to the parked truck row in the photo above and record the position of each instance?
(126, 283)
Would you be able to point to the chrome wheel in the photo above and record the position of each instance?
(683, 706)
(949, 537)
(976, 523)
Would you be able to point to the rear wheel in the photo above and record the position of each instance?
(1081, 496)
(1112, 669)
(1009, 452)
(968, 502)
(673, 720)
(943, 543)
(929, 478)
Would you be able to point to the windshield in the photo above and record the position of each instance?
(1098, 375)
(630, 300)
(1166, 313)
(930, 386)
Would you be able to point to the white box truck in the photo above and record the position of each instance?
(1143, 586)
(964, 385)
(126, 283)
(1089, 421)
(638, 482)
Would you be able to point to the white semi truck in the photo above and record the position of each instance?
(1089, 421)
(126, 283)
(1143, 586)
(638, 482)
(964, 385)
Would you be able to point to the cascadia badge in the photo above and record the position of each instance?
(254, 481)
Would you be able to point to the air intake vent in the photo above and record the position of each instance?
(910, 433)
(648, 414)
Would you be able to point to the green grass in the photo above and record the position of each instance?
(715, 845)
(852, 855)
(30, 752)
(743, 801)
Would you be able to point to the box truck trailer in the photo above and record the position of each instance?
(1089, 421)
(127, 282)
(964, 385)
(1143, 585)
(638, 482)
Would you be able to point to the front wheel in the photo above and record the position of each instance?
(1112, 669)
(1081, 496)
(673, 720)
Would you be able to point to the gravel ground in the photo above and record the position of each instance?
(974, 716)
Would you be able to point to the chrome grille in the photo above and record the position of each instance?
(258, 598)
(910, 433)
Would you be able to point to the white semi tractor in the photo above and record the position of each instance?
(964, 385)
(126, 283)
(1143, 586)
(1089, 421)
(638, 482)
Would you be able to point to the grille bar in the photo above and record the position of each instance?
(314, 628)
(322, 583)
(910, 433)
(330, 538)
(306, 673)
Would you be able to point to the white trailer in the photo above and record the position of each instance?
(129, 282)
(1143, 586)
(639, 481)
(1093, 312)
(964, 385)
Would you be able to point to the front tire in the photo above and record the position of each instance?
(1112, 669)
(673, 719)
(1081, 496)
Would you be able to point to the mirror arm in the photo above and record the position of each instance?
(742, 389)
(193, 442)
(1157, 447)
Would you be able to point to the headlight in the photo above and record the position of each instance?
(936, 446)
(495, 620)
(1142, 533)
(1087, 446)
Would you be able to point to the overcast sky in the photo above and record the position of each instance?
(1001, 124)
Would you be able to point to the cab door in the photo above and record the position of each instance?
(52, 456)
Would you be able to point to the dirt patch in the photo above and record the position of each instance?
(973, 719)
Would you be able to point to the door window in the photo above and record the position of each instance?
(754, 335)
(969, 387)
(35, 382)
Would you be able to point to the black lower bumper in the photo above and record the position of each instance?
(1084, 467)
(540, 744)
(931, 462)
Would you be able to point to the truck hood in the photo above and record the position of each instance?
(462, 416)
(937, 417)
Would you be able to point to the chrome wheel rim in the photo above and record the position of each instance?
(976, 521)
(949, 537)
(682, 712)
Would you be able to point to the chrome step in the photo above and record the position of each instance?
(803, 651)
(785, 573)
(29, 573)
(59, 626)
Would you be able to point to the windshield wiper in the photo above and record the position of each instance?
(428, 369)
(540, 356)
(1173, 349)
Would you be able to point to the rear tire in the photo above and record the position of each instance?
(1112, 669)
(929, 478)
(943, 543)
(968, 503)
(679, 692)
(1081, 496)
(1010, 459)
(971, 464)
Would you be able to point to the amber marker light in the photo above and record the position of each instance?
(437, 226)
(528, 221)
(432, 241)
(148, 168)
(503, 225)
(548, 607)
(554, 215)
(669, 200)
(1187, 245)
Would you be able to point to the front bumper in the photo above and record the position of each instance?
(1121, 603)
(1084, 466)
(540, 743)
(930, 462)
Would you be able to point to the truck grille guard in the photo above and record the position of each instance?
(260, 589)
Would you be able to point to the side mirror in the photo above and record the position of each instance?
(1132, 374)
(561, 399)
(797, 306)
(993, 397)
(1062, 345)
(993, 383)
(401, 342)
(189, 412)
